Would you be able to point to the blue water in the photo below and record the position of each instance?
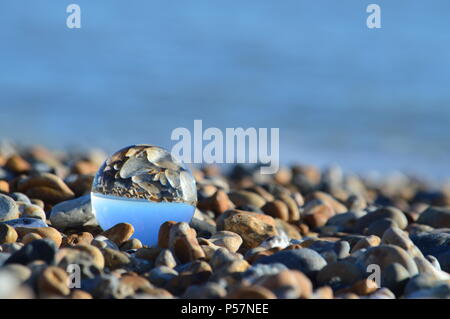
(338, 91)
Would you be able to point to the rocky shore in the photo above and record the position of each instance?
(300, 233)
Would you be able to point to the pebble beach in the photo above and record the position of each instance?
(304, 232)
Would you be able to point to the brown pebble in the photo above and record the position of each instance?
(324, 292)
(7, 234)
(337, 206)
(94, 252)
(294, 279)
(132, 243)
(119, 233)
(44, 232)
(276, 209)
(4, 186)
(28, 238)
(369, 241)
(252, 227)
(84, 167)
(164, 233)
(75, 239)
(183, 243)
(54, 281)
(17, 164)
(218, 203)
(364, 287)
(241, 198)
(135, 282)
(294, 213)
(47, 187)
(80, 294)
(262, 192)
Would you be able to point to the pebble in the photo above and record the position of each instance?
(47, 187)
(42, 249)
(227, 239)
(292, 205)
(130, 244)
(115, 259)
(288, 230)
(183, 243)
(9, 285)
(20, 197)
(161, 275)
(7, 234)
(287, 284)
(422, 284)
(166, 258)
(31, 211)
(28, 238)
(148, 253)
(88, 265)
(252, 227)
(259, 270)
(338, 207)
(8, 208)
(386, 212)
(219, 203)
(435, 244)
(95, 253)
(305, 260)
(80, 294)
(366, 242)
(276, 209)
(395, 277)
(252, 292)
(210, 290)
(395, 236)
(119, 233)
(21, 272)
(164, 234)
(324, 292)
(17, 164)
(202, 227)
(26, 223)
(240, 198)
(436, 217)
(378, 227)
(101, 241)
(45, 232)
(339, 273)
(72, 213)
(76, 239)
(345, 221)
(53, 281)
(385, 255)
(4, 186)
(316, 213)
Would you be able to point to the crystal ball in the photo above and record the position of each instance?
(143, 185)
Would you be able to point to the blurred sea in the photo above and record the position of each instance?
(338, 91)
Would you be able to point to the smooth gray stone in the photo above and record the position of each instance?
(72, 213)
(305, 260)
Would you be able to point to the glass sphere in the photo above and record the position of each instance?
(143, 185)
